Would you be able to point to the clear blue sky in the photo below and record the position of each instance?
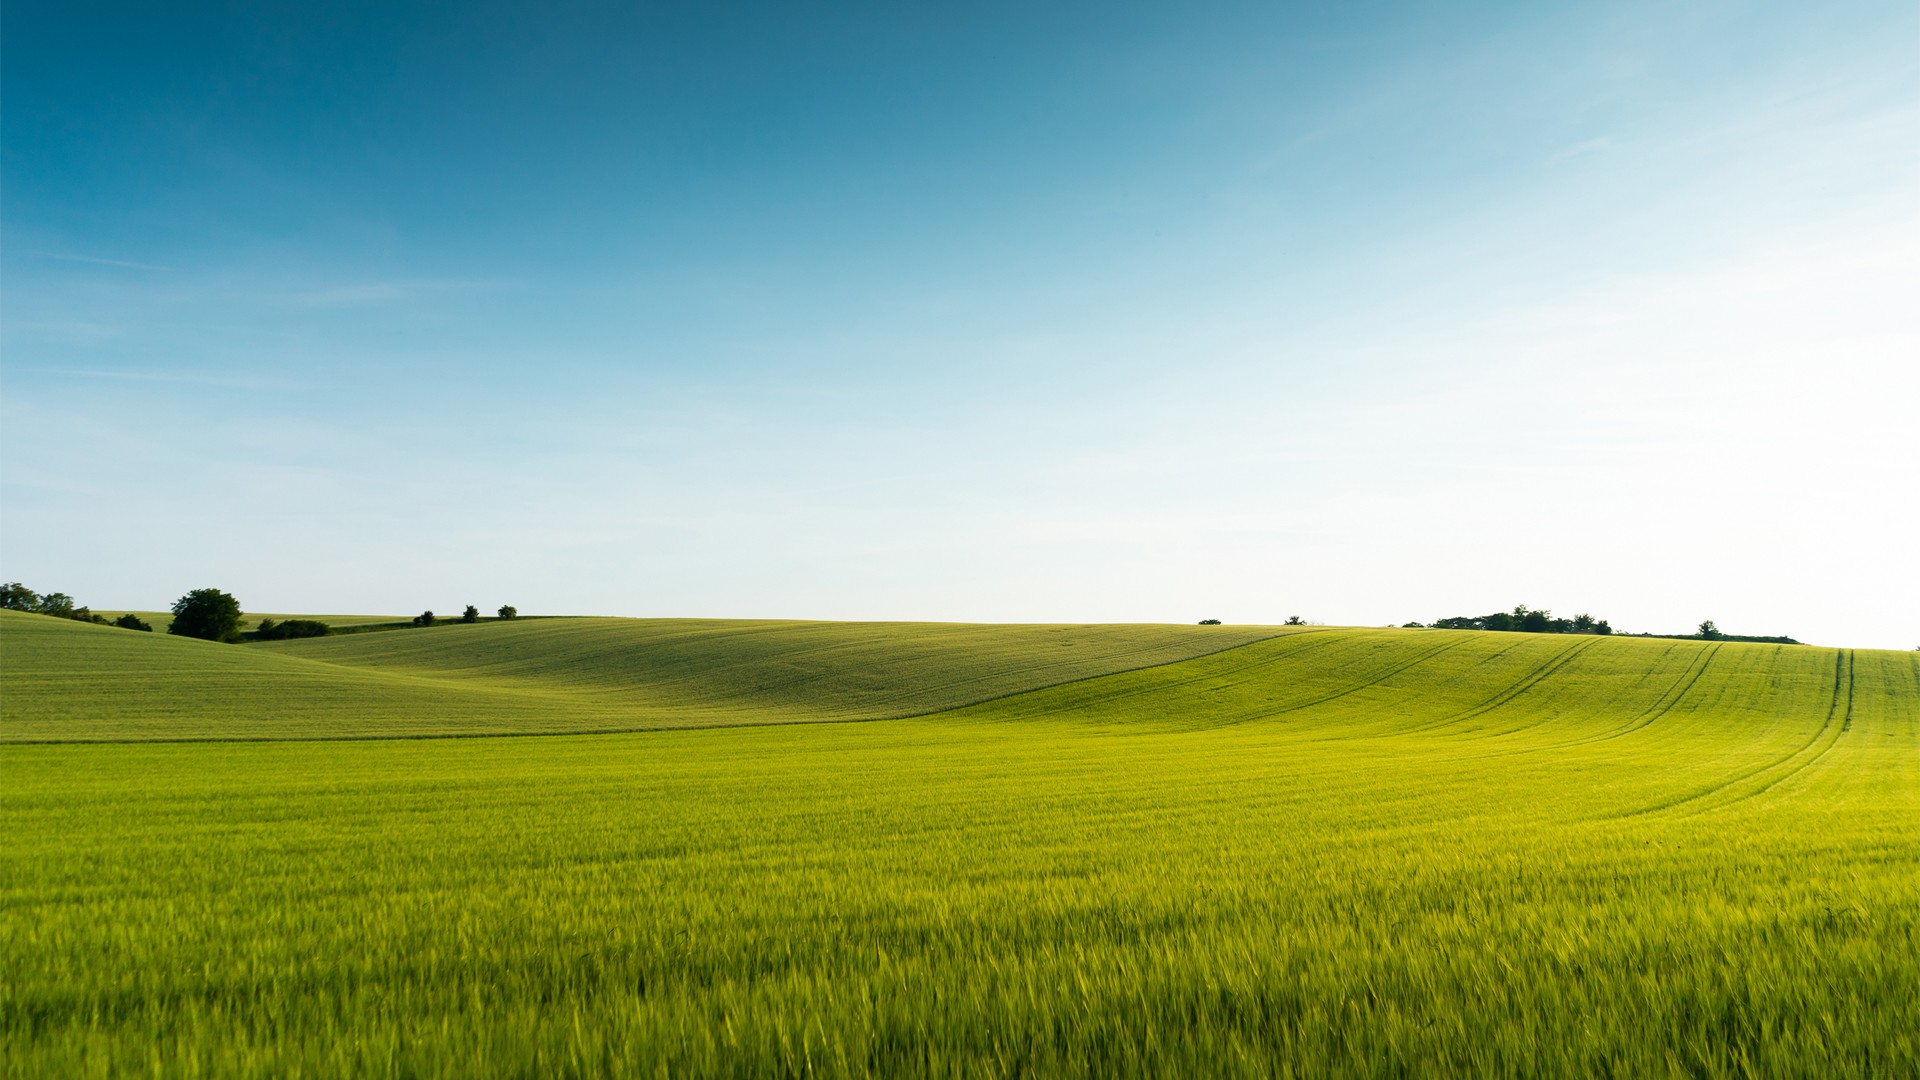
(1362, 312)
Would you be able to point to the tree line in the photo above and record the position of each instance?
(1524, 620)
(206, 614)
(17, 597)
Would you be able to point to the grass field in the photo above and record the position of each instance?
(66, 680)
(1350, 852)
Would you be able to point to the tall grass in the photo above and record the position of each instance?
(1413, 854)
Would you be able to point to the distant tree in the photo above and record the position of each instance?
(1414, 625)
(1295, 620)
(1601, 626)
(17, 597)
(130, 621)
(292, 628)
(508, 611)
(425, 618)
(1583, 623)
(472, 614)
(207, 614)
(57, 604)
(1710, 632)
(1534, 622)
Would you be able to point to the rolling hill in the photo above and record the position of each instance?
(1082, 851)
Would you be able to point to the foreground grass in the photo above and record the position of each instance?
(1413, 854)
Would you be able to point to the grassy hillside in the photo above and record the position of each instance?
(1334, 852)
(62, 680)
(1230, 866)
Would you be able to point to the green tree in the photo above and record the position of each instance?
(17, 597)
(57, 604)
(508, 611)
(425, 618)
(1709, 631)
(207, 614)
(472, 614)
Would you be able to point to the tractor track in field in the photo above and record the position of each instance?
(1526, 682)
(1404, 665)
(1831, 728)
(1675, 694)
(703, 725)
(1121, 695)
(1670, 697)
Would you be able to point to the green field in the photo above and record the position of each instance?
(1078, 851)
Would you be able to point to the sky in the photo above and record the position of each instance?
(1364, 313)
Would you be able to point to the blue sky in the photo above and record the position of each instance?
(1365, 313)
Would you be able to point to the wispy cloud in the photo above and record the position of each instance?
(94, 260)
(184, 378)
(384, 292)
(1584, 148)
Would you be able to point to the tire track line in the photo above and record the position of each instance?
(1527, 682)
(1335, 696)
(1667, 702)
(1842, 682)
(1846, 724)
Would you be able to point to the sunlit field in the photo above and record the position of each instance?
(1073, 851)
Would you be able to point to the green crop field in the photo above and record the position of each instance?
(1078, 851)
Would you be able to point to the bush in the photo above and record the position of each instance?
(292, 628)
(1209, 622)
(425, 618)
(130, 621)
(207, 614)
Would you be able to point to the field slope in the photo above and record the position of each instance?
(62, 680)
(1327, 852)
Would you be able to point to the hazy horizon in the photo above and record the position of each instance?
(1085, 315)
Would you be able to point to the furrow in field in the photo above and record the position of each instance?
(1676, 694)
(1527, 682)
(1397, 669)
(1042, 702)
(1846, 724)
(1830, 730)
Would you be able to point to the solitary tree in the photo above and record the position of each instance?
(472, 614)
(207, 614)
(1295, 620)
(1209, 622)
(508, 611)
(425, 618)
(1709, 631)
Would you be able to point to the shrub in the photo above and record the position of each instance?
(130, 621)
(1209, 622)
(207, 614)
(425, 618)
(292, 628)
